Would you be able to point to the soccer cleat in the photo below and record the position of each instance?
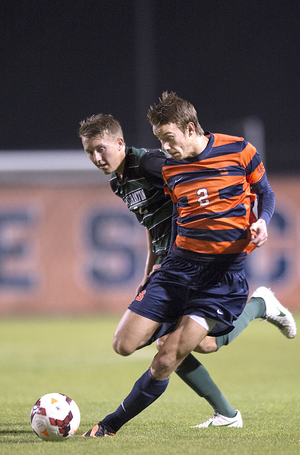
(98, 431)
(275, 313)
(221, 421)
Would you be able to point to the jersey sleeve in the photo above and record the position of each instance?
(265, 199)
(253, 164)
(151, 167)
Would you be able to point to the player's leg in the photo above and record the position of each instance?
(155, 380)
(196, 376)
(144, 392)
(178, 346)
(132, 332)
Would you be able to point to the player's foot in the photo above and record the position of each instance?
(98, 431)
(221, 421)
(275, 313)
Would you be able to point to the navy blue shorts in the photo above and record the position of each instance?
(212, 290)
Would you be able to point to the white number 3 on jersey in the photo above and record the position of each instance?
(203, 199)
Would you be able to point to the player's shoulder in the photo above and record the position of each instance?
(152, 159)
(138, 152)
(134, 157)
(225, 143)
(224, 139)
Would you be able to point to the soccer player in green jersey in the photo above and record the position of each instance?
(136, 177)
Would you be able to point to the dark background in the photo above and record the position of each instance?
(62, 61)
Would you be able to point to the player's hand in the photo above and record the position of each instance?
(259, 233)
(155, 267)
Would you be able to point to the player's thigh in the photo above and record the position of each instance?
(187, 336)
(132, 332)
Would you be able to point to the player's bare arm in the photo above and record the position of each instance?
(150, 262)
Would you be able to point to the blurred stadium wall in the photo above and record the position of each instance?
(68, 245)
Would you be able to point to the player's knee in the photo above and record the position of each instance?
(160, 342)
(164, 363)
(122, 348)
(161, 367)
(207, 345)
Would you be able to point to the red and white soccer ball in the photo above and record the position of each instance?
(55, 417)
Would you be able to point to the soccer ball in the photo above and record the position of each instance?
(55, 417)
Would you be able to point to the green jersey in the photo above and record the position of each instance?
(141, 188)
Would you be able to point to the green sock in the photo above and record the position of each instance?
(254, 309)
(195, 375)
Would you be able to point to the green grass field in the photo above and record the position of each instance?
(259, 373)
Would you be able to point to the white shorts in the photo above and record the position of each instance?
(208, 324)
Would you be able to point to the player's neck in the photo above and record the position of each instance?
(203, 141)
(120, 169)
(199, 145)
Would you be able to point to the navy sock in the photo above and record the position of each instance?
(144, 392)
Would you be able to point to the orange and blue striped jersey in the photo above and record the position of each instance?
(214, 199)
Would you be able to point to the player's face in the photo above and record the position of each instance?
(177, 143)
(107, 153)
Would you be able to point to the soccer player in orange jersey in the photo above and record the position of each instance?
(213, 181)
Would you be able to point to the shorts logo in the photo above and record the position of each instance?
(141, 295)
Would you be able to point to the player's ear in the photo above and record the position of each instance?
(120, 141)
(190, 128)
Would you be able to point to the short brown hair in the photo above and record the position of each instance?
(172, 109)
(98, 125)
